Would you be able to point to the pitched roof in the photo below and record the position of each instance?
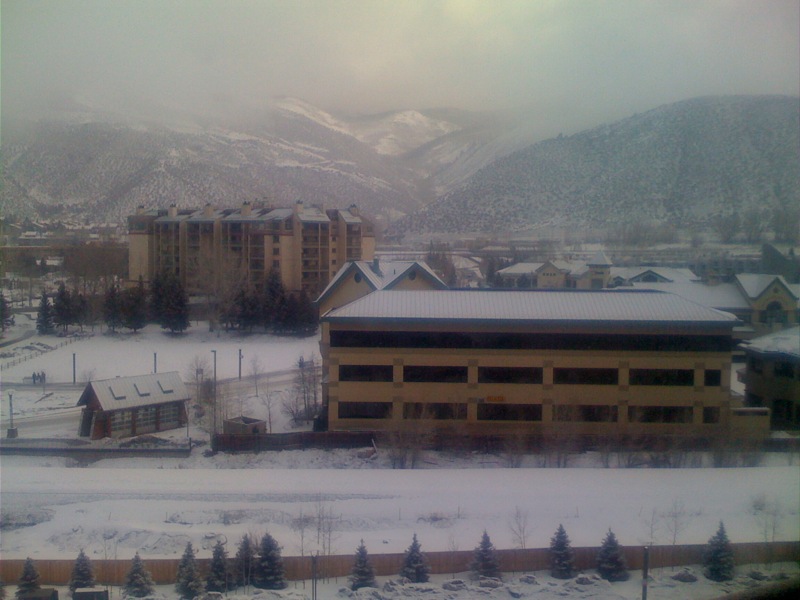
(723, 296)
(599, 260)
(135, 391)
(786, 341)
(532, 306)
(380, 275)
(754, 284)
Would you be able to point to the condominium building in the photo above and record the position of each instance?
(541, 361)
(210, 248)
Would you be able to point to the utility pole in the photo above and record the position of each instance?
(12, 431)
(240, 363)
(645, 567)
(214, 426)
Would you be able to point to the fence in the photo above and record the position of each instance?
(299, 440)
(39, 352)
(112, 572)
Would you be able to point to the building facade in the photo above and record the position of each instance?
(550, 362)
(209, 249)
(772, 376)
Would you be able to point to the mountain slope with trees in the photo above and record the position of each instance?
(683, 164)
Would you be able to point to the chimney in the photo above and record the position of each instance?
(172, 211)
(246, 208)
(376, 266)
(353, 210)
(298, 207)
(208, 210)
(140, 209)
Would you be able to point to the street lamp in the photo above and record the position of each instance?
(214, 426)
(12, 431)
(240, 363)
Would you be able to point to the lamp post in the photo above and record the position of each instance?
(240, 363)
(214, 426)
(73, 368)
(12, 431)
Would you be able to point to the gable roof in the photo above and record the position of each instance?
(135, 391)
(381, 275)
(663, 274)
(723, 296)
(599, 260)
(754, 284)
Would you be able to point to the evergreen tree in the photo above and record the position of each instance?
(484, 561)
(362, 575)
(63, 310)
(415, 566)
(219, 577)
(272, 299)
(5, 313)
(245, 561)
(562, 565)
(188, 582)
(307, 316)
(44, 316)
(134, 307)
(610, 560)
(80, 306)
(169, 303)
(246, 308)
(138, 581)
(112, 308)
(718, 557)
(29, 579)
(269, 573)
(82, 573)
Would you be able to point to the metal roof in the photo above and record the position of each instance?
(724, 296)
(380, 274)
(122, 393)
(786, 341)
(532, 306)
(754, 284)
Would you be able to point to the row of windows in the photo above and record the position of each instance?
(529, 341)
(581, 413)
(527, 375)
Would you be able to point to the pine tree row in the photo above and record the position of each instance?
(261, 566)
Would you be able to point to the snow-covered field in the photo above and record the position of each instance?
(52, 507)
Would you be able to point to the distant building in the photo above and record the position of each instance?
(636, 363)
(128, 406)
(359, 278)
(772, 376)
(593, 274)
(211, 248)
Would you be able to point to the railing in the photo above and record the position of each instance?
(38, 352)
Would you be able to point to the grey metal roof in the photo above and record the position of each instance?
(387, 273)
(724, 296)
(785, 342)
(138, 390)
(530, 306)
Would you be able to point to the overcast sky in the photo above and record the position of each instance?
(585, 59)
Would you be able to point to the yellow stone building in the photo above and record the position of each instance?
(542, 361)
(212, 248)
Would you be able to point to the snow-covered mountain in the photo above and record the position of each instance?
(682, 164)
(434, 170)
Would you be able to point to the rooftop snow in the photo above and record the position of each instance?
(531, 306)
(786, 342)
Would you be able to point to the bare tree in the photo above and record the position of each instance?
(768, 514)
(652, 525)
(301, 525)
(676, 520)
(518, 525)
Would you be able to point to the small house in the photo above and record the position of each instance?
(40, 594)
(92, 593)
(128, 406)
(244, 426)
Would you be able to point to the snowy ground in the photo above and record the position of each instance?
(52, 507)
(539, 586)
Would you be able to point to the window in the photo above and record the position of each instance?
(365, 410)
(509, 412)
(523, 375)
(170, 414)
(711, 414)
(712, 378)
(146, 419)
(585, 413)
(419, 374)
(365, 372)
(573, 376)
(660, 414)
(121, 420)
(441, 411)
(662, 377)
(276, 251)
(784, 369)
